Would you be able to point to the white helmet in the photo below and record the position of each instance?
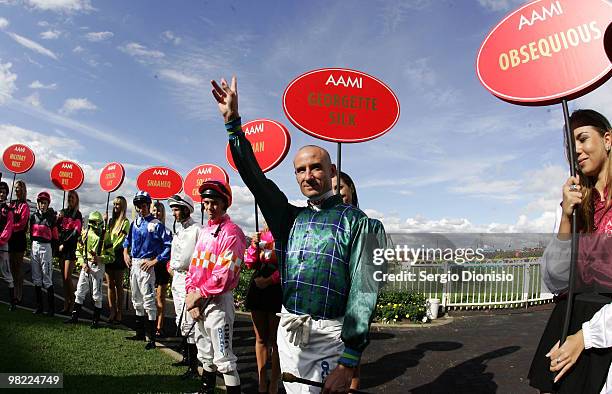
(181, 201)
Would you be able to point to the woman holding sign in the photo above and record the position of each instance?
(70, 222)
(17, 243)
(119, 227)
(582, 363)
(162, 276)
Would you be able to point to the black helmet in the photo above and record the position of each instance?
(142, 197)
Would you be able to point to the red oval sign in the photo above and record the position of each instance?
(111, 177)
(18, 158)
(270, 141)
(546, 51)
(160, 182)
(201, 174)
(67, 175)
(341, 105)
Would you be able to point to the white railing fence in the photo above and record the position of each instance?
(461, 288)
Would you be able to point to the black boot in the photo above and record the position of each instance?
(140, 335)
(39, 304)
(13, 299)
(95, 323)
(150, 327)
(233, 389)
(192, 358)
(74, 317)
(51, 301)
(183, 350)
(209, 381)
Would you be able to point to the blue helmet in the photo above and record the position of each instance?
(142, 196)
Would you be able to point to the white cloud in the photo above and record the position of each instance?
(62, 6)
(7, 82)
(177, 76)
(43, 24)
(500, 5)
(137, 50)
(99, 36)
(3, 23)
(394, 12)
(39, 85)
(78, 49)
(33, 99)
(73, 105)
(32, 45)
(169, 36)
(50, 34)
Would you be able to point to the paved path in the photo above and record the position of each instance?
(480, 353)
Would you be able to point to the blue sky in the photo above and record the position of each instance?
(97, 81)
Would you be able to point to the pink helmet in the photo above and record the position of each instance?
(43, 196)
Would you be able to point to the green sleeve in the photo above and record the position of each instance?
(361, 303)
(80, 250)
(275, 207)
(108, 252)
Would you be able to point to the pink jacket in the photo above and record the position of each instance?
(216, 261)
(22, 215)
(263, 254)
(8, 228)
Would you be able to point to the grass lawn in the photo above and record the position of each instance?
(93, 361)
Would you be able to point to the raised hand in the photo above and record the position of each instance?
(227, 98)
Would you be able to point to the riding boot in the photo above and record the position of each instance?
(39, 303)
(209, 381)
(150, 328)
(140, 332)
(233, 389)
(95, 323)
(192, 358)
(51, 301)
(13, 299)
(183, 350)
(74, 317)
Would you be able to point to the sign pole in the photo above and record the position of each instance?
(571, 153)
(64, 200)
(256, 218)
(12, 186)
(339, 167)
(107, 203)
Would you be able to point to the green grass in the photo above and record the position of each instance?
(94, 361)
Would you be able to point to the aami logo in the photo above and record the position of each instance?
(555, 9)
(20, 149)
(111, 168)
(205, 171)
(160, 172)
(258, 128)
(348, 82)
(67, 165)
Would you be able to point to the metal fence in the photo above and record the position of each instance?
(457, 286)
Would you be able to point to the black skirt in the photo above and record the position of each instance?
(591, 370)
(68, 252)
(162, 276)
(17, 242)
(118, 263)
(268, 300)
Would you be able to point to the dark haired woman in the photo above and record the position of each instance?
(581, 364)
(17, 243)
(70, 223)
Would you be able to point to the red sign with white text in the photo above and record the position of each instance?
(67, 175)
(18, 158)
(547, 51)
(111, 177)
(270, 141)
(341, 105)
(201, 174)
(160, 182)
